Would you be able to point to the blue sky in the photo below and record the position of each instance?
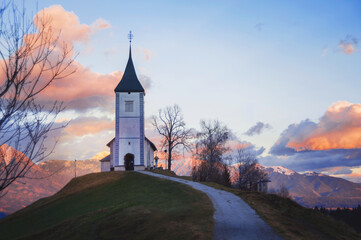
(242, 62)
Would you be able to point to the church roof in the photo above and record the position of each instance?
(106, 159)
(129, 81)
(151, 144)
(146, 139)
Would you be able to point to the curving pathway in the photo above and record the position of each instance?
(234, 219)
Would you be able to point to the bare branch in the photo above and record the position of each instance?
(171, 126)
(31, 59)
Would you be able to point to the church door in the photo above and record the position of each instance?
(129, 161)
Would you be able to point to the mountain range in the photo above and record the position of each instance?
(314, 189)
(308, 189)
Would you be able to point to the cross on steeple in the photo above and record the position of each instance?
(130, 36)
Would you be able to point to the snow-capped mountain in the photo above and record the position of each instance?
(314, 189)
(279, 169)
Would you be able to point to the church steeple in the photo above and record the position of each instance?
(129, 81)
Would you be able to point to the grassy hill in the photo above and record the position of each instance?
(115, 205)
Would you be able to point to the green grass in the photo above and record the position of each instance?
(115, 205)
(288, 218)
(170, 174)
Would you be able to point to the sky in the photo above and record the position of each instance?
(282, 75)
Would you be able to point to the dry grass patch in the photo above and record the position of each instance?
(291, 220)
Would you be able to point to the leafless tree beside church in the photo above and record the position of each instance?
(171, 126)
(32, 58)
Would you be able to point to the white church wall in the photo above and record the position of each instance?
(111, 154)
(148, 155)
(105, 166)
(123, 97)
(129, 146)
(129, 127)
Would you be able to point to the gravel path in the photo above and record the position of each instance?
(234, 219)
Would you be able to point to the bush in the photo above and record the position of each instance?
(217, 172)
(283, 192)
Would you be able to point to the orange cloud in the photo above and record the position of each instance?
(339, 128)
(89, 125)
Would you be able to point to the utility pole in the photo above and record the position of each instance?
(75, 167)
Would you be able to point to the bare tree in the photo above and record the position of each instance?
(32, 57)
(249, 172)
(171, 126)
(210, 149)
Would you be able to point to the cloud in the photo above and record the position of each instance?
(348, 45)
(257, 129)
(89, 125)
(332, 142)
(339, 128)
(259, 26)
(78, 147)
(100, 24)
(67, 26)
(145, 81)
(324, 52)
(84, 89)
(315, 160)
(147, 53)
(87, 95)
(352, 174)
(337, 170)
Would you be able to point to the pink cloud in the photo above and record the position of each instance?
(100, 24)
(81, 91)
(347, 48)
(67, 24)
(348, 45)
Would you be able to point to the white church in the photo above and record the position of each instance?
(130, 149)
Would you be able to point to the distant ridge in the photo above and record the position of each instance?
(309, 189)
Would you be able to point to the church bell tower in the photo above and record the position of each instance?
(129, 119)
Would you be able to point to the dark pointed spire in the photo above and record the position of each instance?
(129, 81)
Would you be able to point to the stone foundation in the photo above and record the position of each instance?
(119, 168)
(139, 168)
(122, 168)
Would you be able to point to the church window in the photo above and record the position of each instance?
(129, 106)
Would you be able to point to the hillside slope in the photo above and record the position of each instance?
(121, 205)
(289, 219)
(43, 180)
